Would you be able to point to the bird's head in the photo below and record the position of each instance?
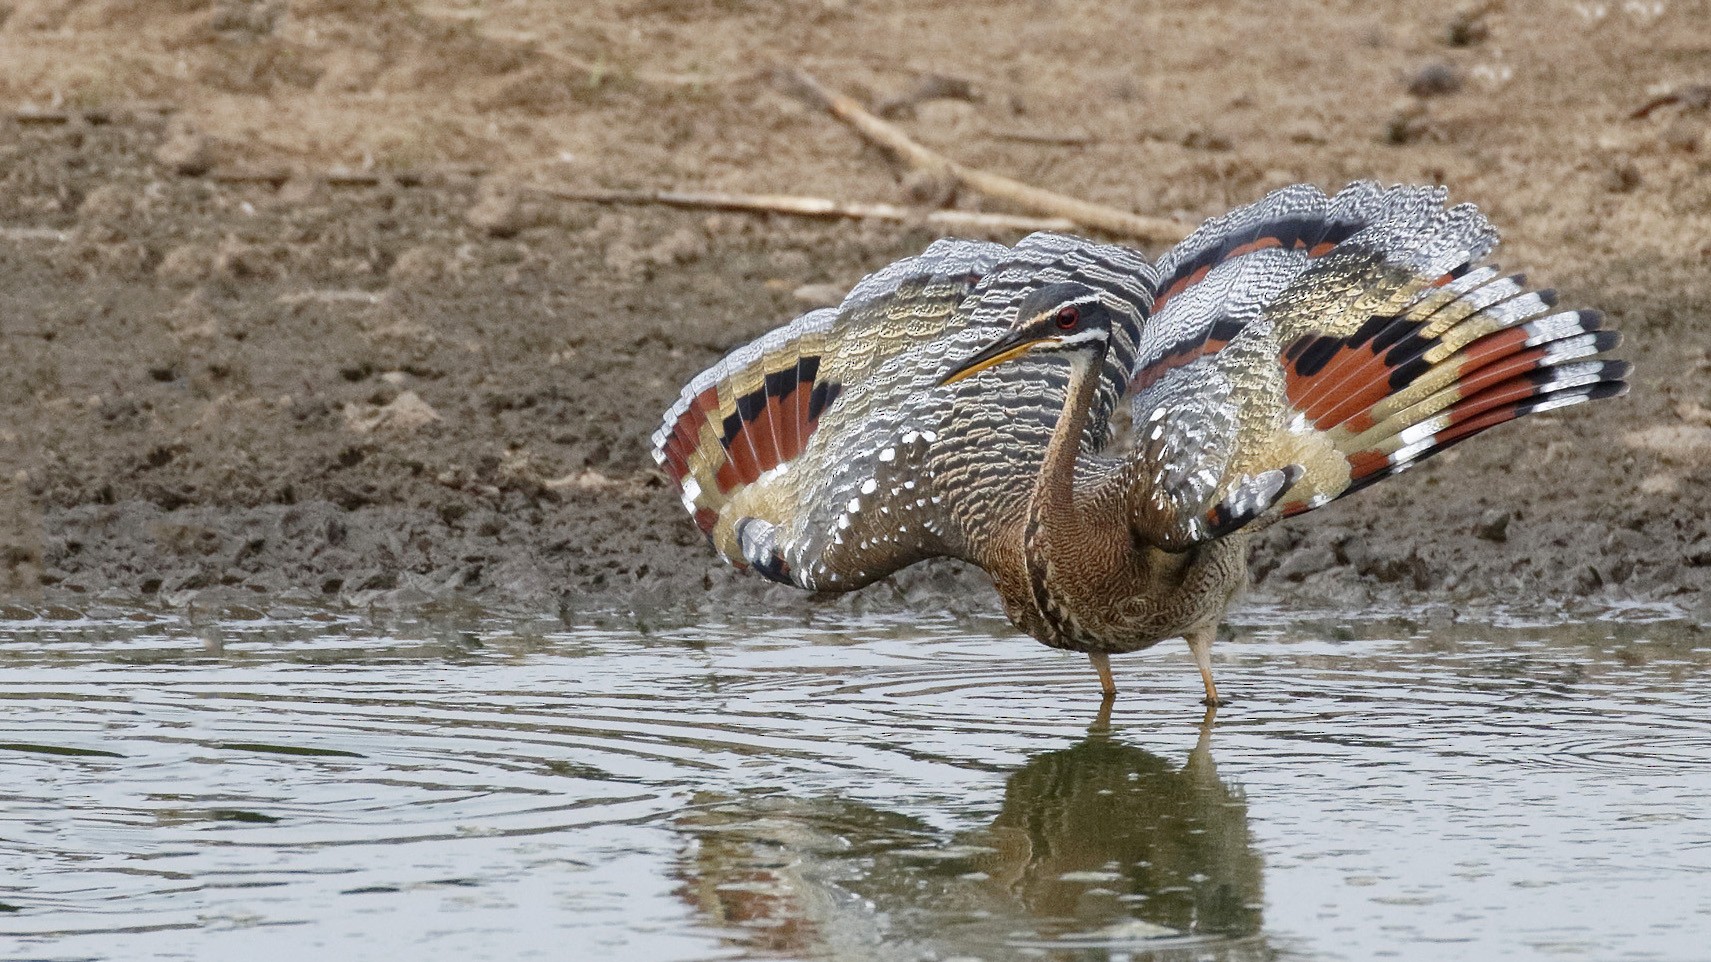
(1065, 317)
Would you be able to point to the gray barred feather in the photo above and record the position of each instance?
(901, 468)
(910, 469)
(1296, 265)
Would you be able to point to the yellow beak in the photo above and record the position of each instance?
(1007, 348)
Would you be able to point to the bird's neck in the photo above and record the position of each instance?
(1063, 545)
(1052, 507)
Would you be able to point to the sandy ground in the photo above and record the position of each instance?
(228, 375)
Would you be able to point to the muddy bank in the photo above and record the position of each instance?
(398, 390)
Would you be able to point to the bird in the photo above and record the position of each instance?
(1104, 434)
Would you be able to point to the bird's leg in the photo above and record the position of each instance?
(1200, 642)
(1102, 665)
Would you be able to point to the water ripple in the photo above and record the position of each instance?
(879, 789)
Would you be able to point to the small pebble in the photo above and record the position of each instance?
(926, 189)
(1206, 140)
(501, 213)
(1407, 124)
(1698, 554)
(1467, 28)
(1622, 179)
(1493, 525)
(186, 153)
(1683, 135)
(1435, 80)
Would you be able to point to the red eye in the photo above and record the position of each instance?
(1068, 317)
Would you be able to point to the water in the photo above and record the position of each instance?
(459, 786)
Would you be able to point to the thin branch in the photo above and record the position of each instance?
(1692, 96)
(1047, 137)
(53, 116)
(271, 176)
(344, 176)
(894, 141)
(809, 207)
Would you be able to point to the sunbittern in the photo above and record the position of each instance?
(964, 402)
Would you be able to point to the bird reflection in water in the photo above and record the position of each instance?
(1098, 844)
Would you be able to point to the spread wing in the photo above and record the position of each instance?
(1306, 346)
(826, 455)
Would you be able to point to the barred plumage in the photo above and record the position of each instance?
(966, 402)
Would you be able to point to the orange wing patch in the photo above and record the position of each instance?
(741, 437)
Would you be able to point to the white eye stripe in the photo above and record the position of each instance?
(1082, 337)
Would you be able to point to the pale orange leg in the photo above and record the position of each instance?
(1102, 665)
(1200, 642)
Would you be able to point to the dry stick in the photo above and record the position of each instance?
(1692, 96)
(1041, 137)
(898, 144)
(809, 207)
(272, 177)
(342, 176)
(46, 116)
